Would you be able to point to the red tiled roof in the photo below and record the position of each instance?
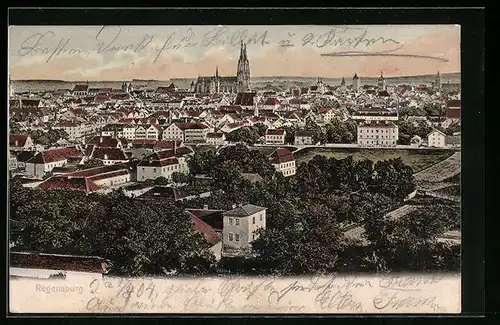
(165, 144)
(69, 183)
(18, 140)
(215, 135)
(275, 132)
(454, 103)
(281, 155)
(141, 142)
(65, 124)
(378, 124)
(108, 175)
(102, 98)
(186, 126)
(323, 110)
(54, 155)
(57, 262)
(104, 142)
(164, 114)
(81, 88)
(213, 218)
(89, 172)
(453, 113)
(193, 113)
(272, 101)
(230, 108)
(108, 154)
(303, 134)
(208, 232)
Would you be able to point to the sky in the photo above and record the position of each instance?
(93, 53)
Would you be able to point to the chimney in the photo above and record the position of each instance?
(17, 143)
(100, 140)
(205, 207)
(105, 156)
(234, 206)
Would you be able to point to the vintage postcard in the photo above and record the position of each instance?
(234, 169)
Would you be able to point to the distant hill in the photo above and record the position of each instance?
(276, 82)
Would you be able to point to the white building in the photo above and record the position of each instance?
(283, 161)
(20, 142)
(275, 136)
(164, 164)
(216, 138)
(240, 226)
(436, 139)
(377, 134)
(91, 179)
(74, 130)
(149, 131)
(187, 132)
(43, 162)
(303, 138)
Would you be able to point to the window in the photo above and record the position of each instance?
(253, 236)
(261, 217)
(230, 236)
(253, 220)
(154, 170)
(237, 222)
(230, 221)
(237, 237)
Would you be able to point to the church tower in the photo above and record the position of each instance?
(438, 82)
(381, 82)
(355, 83)
(217, 80)
(243, 70)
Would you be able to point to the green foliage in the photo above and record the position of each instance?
(139, 237)
(161, 180)
(408, 130)
(248, 135)
(310, 243)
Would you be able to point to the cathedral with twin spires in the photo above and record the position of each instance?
(228, 84)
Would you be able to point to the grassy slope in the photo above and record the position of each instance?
(417, 159)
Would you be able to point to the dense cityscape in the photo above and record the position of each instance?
(230, 175)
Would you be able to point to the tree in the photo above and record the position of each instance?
(181, 178)
(309, 245)
(141, 238)
(162, 180)
(393, 178)
(248, 161)
(202, 162)
(248, 135)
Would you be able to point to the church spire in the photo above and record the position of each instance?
(217, 71)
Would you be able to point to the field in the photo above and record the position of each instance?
(417, 159)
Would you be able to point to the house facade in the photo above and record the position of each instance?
(376, 133)
(241, 224)
(216, 138)
(303, 138)
(436, 139)
(43, 162)
(283, 161)
(164, 164)
(20, 142)
(275, 136)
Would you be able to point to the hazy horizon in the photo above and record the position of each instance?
(281, 77)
